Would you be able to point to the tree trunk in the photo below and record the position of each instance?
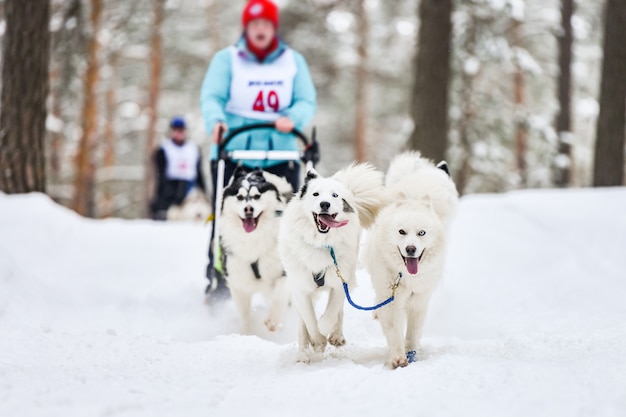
(56, 136)
(84, 181)
(110, 102)
(429, 108)
(26, 54)
(360, 131)
(609, 156)
(520, 110)
(563, 120)
(153, 96)
(66, 44)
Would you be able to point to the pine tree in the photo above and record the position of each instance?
(609, 155)
(24, 90)
(563, 121)
(84, 179)
(432, 72)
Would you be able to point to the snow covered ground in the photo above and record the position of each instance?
(106, 318)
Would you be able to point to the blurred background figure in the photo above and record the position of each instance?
(178, 170)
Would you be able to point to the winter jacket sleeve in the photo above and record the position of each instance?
(158, 201)
(304, 101)
(160, 165)
(216, 89)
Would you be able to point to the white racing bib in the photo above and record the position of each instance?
(261, 91)
(181, 161)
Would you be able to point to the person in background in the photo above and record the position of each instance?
(178, 170)
(259, 79)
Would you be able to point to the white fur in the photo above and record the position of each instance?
(303, 249)
(243, 249)
(195, 208)
(419, 197)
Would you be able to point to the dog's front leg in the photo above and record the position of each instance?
(392, 321)
(279, 302)
(302, 301)
(416, 315)
(242, 300)
(331, 322)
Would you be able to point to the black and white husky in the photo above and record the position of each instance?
(251, 207)
(326, 213)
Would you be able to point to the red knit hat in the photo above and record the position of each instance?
(260, 9)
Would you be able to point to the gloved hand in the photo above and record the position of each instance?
(218, 130)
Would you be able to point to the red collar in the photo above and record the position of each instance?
(261, 54)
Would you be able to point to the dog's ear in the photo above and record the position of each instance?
(239, 172)
(311, 174)
(443, 165)
(302, 190)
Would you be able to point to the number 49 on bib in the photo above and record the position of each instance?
(271, 101)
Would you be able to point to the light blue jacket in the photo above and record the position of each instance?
(216, 91)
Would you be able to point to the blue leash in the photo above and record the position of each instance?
(410, 355)
(345, 287)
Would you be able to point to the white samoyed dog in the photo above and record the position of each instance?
(194, 208)
(407, 246)
(326, 213)
(252, 205)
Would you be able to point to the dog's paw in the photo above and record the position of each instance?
(397, 362)
(337, 340)
(302, 357)
(271, 325)
(319, 343)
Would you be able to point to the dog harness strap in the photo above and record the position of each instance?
(319, 278)
(255, 269)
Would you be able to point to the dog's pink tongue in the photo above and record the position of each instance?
(249, 224)
(328, 220)
(411, 265)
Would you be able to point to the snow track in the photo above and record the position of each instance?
(106, 318)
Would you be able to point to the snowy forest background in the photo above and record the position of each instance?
(114, 61)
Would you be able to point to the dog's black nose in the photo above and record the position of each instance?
(411, 250)
(325, 205)
(248, 211)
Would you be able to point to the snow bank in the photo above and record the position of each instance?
(107, 318)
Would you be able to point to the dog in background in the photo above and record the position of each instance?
(194, 208)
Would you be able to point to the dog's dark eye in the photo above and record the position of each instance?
(335, 195)
(421, 233)
(256, 197)
(316, 194)
(240, 197)
(402, 232)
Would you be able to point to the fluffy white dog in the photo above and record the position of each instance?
(407, 247)
(252, 205)
(195, 208)
(326, 213)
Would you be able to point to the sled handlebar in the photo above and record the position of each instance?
(257, 126)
